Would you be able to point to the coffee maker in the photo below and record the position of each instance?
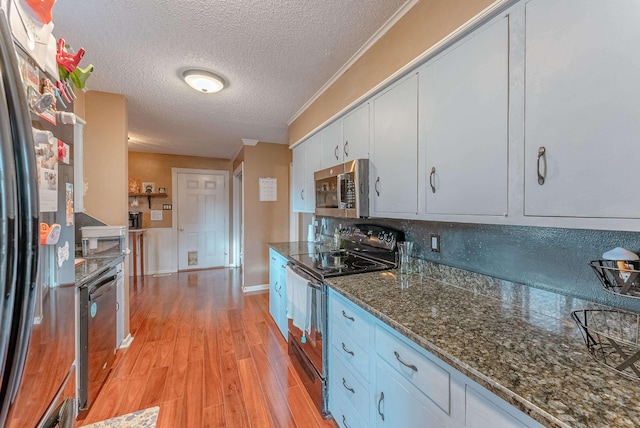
(135, 220)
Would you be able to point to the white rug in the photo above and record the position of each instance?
(146, 418)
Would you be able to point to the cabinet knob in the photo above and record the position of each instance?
(432, 179)
(379, 404)
(542, 154)
(347, 387)
(404, 363)
(344, 314)
(347, 350)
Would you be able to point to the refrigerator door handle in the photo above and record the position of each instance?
(27, 215)
(8, 239)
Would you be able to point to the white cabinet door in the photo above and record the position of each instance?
(394, 166)
(298, 177)
(312, 164)
(397, 403)
(582, 92)
(331, 142)
(306, 161)
(463, 113)
(355, 128)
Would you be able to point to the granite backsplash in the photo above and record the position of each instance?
(544, 257)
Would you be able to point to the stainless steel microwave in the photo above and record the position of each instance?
(343, 190)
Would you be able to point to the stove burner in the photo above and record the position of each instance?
(362, 263)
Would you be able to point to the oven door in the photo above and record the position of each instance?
(306, 338)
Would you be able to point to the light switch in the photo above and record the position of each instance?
(435, 243)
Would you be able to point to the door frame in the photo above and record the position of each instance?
(175, 213)
(238, 215)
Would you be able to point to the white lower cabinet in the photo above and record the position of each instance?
(400, 404)
(278, 291)
(378, 377)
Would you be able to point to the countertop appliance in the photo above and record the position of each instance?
(98, 307)
(343, 190)
(365, 248)
(135, 220)
(37, 341)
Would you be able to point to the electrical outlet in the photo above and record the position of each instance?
(166, 207)
(435, 242)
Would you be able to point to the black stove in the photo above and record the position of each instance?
(366, 248)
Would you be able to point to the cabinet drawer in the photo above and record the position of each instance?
(344, 414)
(424, 374)
(352, 353)
(352, 320)
(348, 388)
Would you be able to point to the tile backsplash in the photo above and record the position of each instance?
(555, 259)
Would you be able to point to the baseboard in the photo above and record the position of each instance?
(255, 288)
(126, 342)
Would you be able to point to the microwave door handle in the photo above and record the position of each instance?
(341, 178)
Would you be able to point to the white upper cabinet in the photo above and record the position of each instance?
(331, 141)
(306, 161)
(582, 114)
(346, 139)
(355, 128)
(394, 151)
(464, 99)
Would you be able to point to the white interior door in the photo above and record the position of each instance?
(201, 220)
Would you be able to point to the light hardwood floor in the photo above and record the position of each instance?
(208, 355)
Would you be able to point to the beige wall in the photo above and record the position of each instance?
(428, 22)
(156, 168)
(264, 222)
(105, 157)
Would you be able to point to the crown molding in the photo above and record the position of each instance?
(372, 40)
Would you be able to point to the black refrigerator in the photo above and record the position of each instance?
(37, 315)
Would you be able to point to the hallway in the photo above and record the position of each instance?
(208, 355)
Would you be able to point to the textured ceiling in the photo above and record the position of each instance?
(274, 54)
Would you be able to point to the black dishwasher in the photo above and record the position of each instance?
(97, 334)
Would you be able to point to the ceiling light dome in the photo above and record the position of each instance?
(203, 81)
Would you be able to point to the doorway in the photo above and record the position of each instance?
(238, 215)
(200, 219)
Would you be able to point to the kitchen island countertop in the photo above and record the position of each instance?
(92, 267)
(519, 342)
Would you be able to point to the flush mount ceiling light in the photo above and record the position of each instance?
(203, 81)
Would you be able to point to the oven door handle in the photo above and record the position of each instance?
(311, 281)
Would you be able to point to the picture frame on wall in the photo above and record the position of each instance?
(148, 187)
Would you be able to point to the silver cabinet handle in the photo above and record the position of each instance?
(335, 152)
(347, 350)
(273, 258)
(347, 387)
(344, 422)
(344, 314)
(302, 194)
(404, 363)
(376, 186)
(346, 148)
(432, 179)
(379, 403)
(542, 154)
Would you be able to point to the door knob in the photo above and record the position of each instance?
(181, 229)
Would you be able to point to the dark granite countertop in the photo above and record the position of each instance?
(92, 267)
(518, 342)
